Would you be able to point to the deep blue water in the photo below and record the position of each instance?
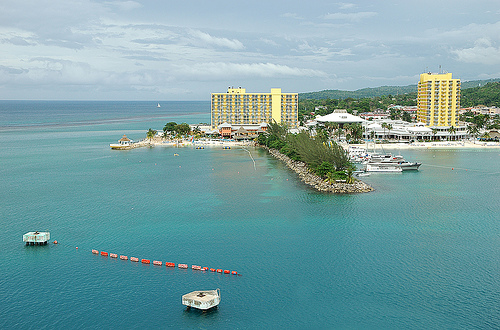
(421, 251)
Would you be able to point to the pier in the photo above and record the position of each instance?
(36, 238)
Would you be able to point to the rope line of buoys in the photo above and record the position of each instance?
(167, 264)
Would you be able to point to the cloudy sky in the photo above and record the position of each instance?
(185, 50)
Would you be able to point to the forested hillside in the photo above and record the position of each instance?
(488, 95)
(380, 91)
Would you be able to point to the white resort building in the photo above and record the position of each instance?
(404, 131)
(399, 130)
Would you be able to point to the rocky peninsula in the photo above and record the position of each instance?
(317, 182)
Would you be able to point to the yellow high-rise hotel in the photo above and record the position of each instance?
(438, 100)
(237, 107)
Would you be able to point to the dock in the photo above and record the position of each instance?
(203, 300)
(36, 238)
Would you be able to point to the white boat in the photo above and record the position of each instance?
(203, 300)
(383, 167)
(158, 106)
(386, 158)
(395, 160)
(363, 174)
(409, 166)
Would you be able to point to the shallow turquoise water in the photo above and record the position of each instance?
(421, 251)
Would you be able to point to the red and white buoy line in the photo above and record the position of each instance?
(167, 264)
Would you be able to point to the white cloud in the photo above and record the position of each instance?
(483, 52)
(220, 69)
(124, 5)
(291, 15)
(211, 40)
(345, 5)
(353, 17)
(269, 42)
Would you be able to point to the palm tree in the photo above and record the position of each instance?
(151, 134)
(452, 130)
(384, 126)
(434, 132)
(473, 130)
(339, 133)
(329, 126)
(357, 131)
(335, 127)
(389, 127)
(330, 178)
(349, 172)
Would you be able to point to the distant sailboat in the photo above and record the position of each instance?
(158, 106)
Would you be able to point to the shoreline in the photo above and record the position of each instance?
(316, 182)
(430, 145)
(158, 142)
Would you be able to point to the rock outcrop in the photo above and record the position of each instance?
(317, 182)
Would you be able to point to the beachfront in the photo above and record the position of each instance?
(188, 142)
(463, 144)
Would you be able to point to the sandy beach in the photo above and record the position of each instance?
(465, 144)
(159, 142)
(435, 145)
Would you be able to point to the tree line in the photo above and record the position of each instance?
(323, 157)
(171, 129)
(487, 95)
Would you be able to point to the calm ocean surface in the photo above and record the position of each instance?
(420, 252)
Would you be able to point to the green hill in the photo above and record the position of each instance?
(488, 95)
(379, 91)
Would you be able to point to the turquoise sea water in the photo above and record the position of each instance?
(421, 251)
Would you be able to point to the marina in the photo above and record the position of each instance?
(375, 162)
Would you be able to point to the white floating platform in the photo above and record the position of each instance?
(202, 299)
(36, 238)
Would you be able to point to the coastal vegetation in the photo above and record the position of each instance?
(151, 133)
(325, 106)
(381, 91)
(473, 93)
(325, 158)
(487, 95)
(174, 129)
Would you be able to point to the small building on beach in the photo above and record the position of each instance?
(124, 141)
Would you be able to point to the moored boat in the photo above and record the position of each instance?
(382, 167)
(409, 166)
